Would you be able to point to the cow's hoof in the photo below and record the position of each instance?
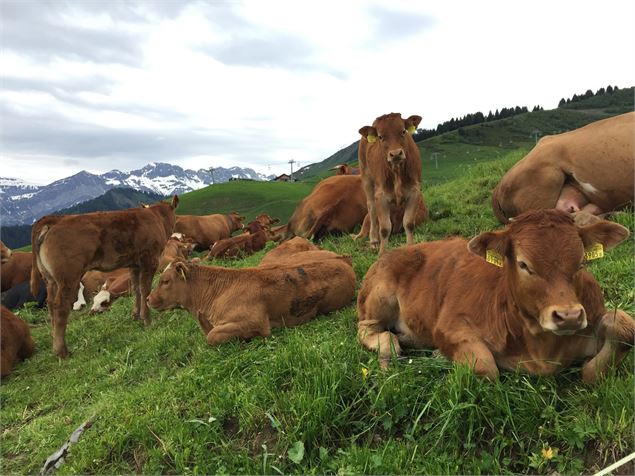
(63, 353)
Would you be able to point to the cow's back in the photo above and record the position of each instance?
(204, 230)
(17, 270)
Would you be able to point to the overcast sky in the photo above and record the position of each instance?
(102, 84)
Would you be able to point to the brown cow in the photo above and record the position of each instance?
(345, 169)
(289, 247)
(589, 169)
(534, 309)
(248, 302)
(208, 229)
(391, 174)
(16, 270)
(5, 253)
(246, 244)
(65, 247)
(15, 341)
(336, 205)
(266, 221)
(118, 284)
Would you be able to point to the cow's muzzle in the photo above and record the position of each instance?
(564, 320)
(396, 156)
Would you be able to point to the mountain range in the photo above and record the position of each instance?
(23, 203)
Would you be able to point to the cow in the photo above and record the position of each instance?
(174, 249)
(390, 167)
(266, 221)
(208, 229)
(336, 205)
(254, 239)
(5, 253)
(65, 247)
(15, 341)
(289, 247)
(396, 218)
(516, 299)
(248, 302)
(116, 285)
(16, 270)
(590, 169)
(20, 294)
(345, 169)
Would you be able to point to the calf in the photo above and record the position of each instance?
(65, 247)
(208, 229)
(345, 169)
(5, 253)
(336, 205)
(248, 302)
(16, 270)
(115, 286)
(535, 308)
(246, 244)
(390, 166)
(15, 341)
(288, 248)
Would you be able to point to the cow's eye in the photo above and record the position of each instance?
(381, 137)
(403, 133)
(165, 281)
(522, 265)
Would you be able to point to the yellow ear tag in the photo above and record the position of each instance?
(183, 274)
(371, 139)
(494, 258)
(412, 130)
(595, 251)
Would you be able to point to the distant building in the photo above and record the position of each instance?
(282, 178)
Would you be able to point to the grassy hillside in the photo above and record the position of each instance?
(310, 400)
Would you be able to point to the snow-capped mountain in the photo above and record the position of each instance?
(22, 203)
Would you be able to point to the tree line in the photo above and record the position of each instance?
(588, 94)
(470, 120)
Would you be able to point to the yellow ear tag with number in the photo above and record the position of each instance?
(412, 130)
(494, 258)
(595, 251)
(371, 139)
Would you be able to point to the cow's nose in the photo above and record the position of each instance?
(568, 318)
(396, 155)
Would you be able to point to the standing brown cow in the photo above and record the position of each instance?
(516, 298)
(65, 247)
(208, 229)
(391, 174)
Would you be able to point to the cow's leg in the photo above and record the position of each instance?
(385, 226)
(135, 274)
(373, 335)
(145, 286)
(617, 330)
(64, 299)
(472, 352)
(365, 229)
(373, 232)
(409, 215)
(244, 329)
(51, 293)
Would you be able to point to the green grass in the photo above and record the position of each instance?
(298, 402)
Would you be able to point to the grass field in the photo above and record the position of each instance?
(310, 400)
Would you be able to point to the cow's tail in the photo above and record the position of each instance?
(37, 237)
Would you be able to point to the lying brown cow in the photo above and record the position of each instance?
(539, 312)
(336, 205)
(5, 253)
(391, 174)
(65, 247)
(288, 248)
(248, 302)
(345, 169)
(246, 244)
(15, 341)
(208, 229)
(589, 169)
(117, 285)
(16, 270)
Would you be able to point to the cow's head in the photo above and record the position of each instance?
(541, 253)
(5, 253)
(391, 133)
(236, 220)
(102, 301)
(254, 227)
(343, 169)
(265, 219)
(171, 288)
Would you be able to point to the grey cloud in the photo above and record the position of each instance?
(40, 29)
(397, 25)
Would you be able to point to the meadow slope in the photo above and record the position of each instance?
(310, 400)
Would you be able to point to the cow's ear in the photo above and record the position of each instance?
(494, 242)
(181, 269)
(411, 123)
(369, 133)
(175, 201)
(607, 233)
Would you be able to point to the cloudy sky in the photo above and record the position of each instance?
(102, 84)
